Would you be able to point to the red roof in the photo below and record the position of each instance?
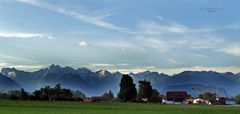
(176, 94)
(96, 98)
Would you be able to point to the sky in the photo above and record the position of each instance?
(167, 36)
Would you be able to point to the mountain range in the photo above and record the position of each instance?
(96, 83)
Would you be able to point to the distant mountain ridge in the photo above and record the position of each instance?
(95, 83)
(7, 83)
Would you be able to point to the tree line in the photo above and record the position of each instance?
(46, 93)
(127, 93)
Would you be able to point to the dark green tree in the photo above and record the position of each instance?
(66, 94)
(57, 91)
(144, 91)
(37, 94)
(49, 92)
(156, 97)
(208, 96)
(128, 90)
(237, 98)
(78, 94)
(23, 95)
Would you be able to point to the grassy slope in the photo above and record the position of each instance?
(34, 107)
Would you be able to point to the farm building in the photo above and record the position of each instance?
(176, 96)
(96, 99)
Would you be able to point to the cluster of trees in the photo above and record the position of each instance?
(45, 93)
(145, 93)
(237, 98)
(208, 96)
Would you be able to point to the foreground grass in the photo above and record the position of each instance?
(43, 107)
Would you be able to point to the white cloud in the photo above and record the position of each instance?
(50, 38)
(233, 49)
(24, 35)
(87, 17)
(98, 66)
(21, 35)
(28, 66)
(83, 44)
(107, 65)
(101, 65)
(122, 64)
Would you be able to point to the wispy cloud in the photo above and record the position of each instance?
(120, 45)
(199, 55)
(235, 26)
(3, 64)
(97, 20)
(101, 65)
(165, 35)
(21, 35)
(24, 35)
(27, 67)
(14, 58)
(97, 66)
(156, 43)
(173, 61)
(233, 49)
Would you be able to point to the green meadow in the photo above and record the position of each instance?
(43, 107)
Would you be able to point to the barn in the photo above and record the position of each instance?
(176, 96)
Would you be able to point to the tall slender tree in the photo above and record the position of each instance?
(128, 90)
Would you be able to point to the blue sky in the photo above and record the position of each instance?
(167, 36)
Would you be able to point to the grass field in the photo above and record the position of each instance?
(43, 107)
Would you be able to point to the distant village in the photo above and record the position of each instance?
(174, 97)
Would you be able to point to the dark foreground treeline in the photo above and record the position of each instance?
(127, 93)
(46, 93)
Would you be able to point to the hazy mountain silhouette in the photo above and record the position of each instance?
(95, 83)
(8, 84)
